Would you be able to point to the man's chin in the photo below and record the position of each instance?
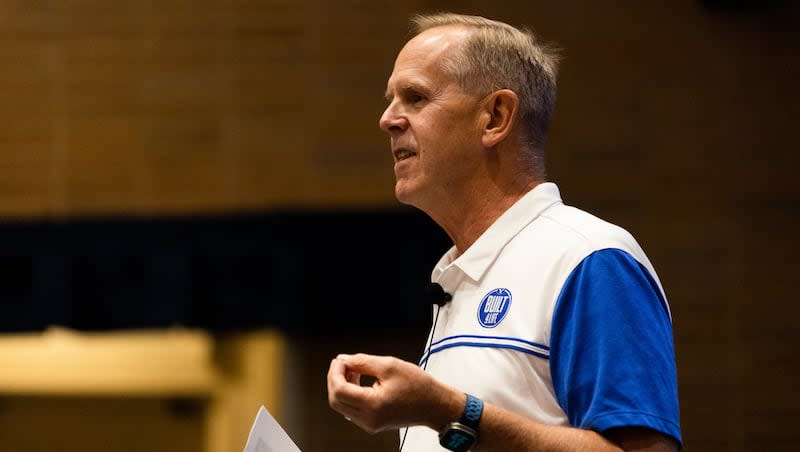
(404, 193)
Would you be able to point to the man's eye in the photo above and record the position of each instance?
(415, 98)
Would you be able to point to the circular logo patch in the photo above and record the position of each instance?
(494, 307)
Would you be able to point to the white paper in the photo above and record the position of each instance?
(267, 435)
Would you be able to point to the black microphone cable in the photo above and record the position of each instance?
(441, 298)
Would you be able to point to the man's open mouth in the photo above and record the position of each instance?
(402, 154)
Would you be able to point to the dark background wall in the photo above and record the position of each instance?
(218, 164)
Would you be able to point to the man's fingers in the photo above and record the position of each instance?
(373, 408)
(364, 364)
(343, 385)
(353, 377)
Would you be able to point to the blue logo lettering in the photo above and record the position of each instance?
(494, 307)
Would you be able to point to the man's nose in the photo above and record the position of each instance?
(391, 121)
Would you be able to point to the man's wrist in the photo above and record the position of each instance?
(448, 409)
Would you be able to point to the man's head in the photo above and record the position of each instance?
(499, 56)
(461, 87)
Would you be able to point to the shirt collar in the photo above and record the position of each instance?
(477, 258)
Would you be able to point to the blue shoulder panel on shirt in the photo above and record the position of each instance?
(611, 352)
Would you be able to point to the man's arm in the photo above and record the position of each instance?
(403, 395)
(507, 431)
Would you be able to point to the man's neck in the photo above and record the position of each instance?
(468, 217)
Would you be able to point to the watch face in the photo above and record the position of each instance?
(457, 440)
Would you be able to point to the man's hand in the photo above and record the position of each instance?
(401, 395)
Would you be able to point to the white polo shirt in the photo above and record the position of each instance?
(558, 316)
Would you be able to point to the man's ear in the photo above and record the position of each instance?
(500, 109)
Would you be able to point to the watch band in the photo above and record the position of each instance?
(461, 435)
(472, 412)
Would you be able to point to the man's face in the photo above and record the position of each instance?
(433, 124)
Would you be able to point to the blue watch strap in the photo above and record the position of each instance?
(472, 412)
(460, 436)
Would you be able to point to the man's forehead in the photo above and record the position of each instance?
(433, 37)
(440, 37)
(427, 49)
(420, 60)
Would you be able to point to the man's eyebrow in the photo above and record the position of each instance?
(411, 86)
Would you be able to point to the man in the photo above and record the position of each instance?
(558, 335)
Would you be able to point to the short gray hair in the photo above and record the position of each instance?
(499, 56)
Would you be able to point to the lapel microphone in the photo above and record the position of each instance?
(437, 295)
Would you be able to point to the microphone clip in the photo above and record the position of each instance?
(437, 295)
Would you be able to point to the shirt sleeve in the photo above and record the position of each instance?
(612, 357)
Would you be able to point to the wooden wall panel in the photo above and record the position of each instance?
(142, 105)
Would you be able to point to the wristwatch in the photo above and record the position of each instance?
(460, 436)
